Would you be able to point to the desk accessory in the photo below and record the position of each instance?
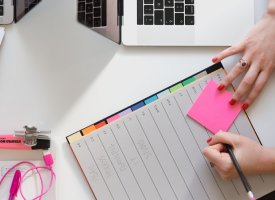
(152, 150)
(40, 171)
(30, 139)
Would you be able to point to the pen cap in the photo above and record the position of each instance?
(15, 182)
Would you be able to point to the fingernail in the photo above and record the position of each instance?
(232, 102)
(214, 60)
(221, 87)
(209, 140)
(245, 106)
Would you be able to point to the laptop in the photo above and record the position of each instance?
(168, 22)
(14, 10)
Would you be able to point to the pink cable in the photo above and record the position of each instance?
(34, 167)
(42, 184)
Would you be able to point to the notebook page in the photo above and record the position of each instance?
(156, 153)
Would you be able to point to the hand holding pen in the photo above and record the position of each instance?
(250, 155)
(248, 158)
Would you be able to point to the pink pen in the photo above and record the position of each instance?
(15, 185)
(12, 142)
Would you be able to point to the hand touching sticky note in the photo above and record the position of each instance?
(212, 109)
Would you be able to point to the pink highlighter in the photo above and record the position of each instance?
(13, 142)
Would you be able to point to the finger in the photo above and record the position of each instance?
(234, 73)
(224, 138)
(258, 87)
(218, 147)
(247, 82)
(229, 52)
(213, 156)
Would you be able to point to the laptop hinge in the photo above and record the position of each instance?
(120, 8)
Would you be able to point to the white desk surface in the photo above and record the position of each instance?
(57, 74)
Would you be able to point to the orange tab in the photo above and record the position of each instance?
(88, 130)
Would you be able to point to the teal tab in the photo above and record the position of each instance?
(163, 93)
(188, 81)
(176, 87)
(151, 99)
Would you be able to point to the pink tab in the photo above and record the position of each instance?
(113, 118)
(212, 109)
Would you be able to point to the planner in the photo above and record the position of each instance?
(153, 151)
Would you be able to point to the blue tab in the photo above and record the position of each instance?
(137, 106)
(151, 99)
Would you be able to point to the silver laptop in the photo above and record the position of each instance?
(169, 22)
(14, 10)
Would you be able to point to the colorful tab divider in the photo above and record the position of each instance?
(88, 130)
(176, 87)
(137, 106)
(151, 99)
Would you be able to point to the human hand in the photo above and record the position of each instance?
(258, 49)
(248, 153)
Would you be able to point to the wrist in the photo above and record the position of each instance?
(268, 161)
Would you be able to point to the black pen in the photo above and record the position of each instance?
(240, 172)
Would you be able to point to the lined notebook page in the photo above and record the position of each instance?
(156, 153)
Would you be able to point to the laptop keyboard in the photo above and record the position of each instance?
(92, 13)
(165, 12)
(1, 7)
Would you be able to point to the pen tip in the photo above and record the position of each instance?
(251, 196)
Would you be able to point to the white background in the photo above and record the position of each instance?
(58, 75)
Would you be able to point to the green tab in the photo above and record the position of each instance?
(176, 87)
(188, 81)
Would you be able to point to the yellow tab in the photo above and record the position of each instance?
(74, 137)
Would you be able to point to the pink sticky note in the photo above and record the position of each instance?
(212, 109)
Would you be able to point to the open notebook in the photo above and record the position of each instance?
(154, 151)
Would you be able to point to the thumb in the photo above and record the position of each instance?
(224, 138)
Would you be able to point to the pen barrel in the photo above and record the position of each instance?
(238, 168)
(12, 142)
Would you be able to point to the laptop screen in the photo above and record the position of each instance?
(23, 7)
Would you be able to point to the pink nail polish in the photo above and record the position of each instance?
(209, 140)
